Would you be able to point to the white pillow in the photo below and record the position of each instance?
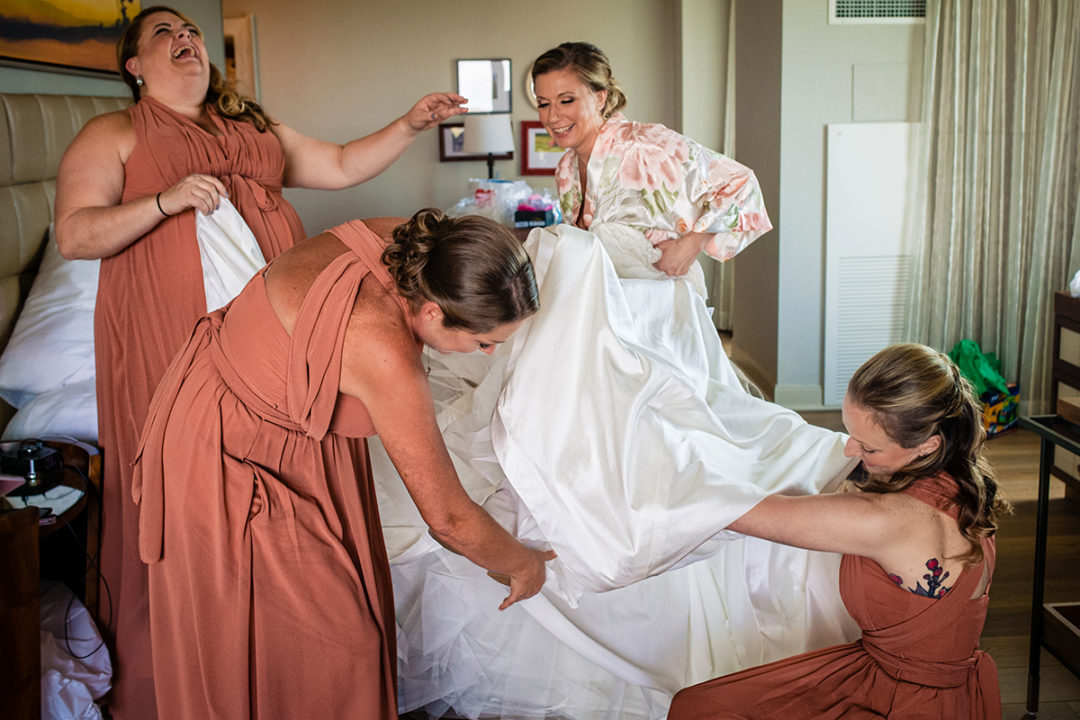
(52, 344)
(68, 410)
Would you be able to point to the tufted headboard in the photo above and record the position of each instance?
(34, 132)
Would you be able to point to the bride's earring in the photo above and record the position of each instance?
(139, 81)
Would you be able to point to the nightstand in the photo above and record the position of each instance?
(65, 550)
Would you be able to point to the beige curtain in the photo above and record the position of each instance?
(719, 278)
(998, 226)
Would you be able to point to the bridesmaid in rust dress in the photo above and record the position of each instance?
(918, 537)
(127, 191)
(270, 591)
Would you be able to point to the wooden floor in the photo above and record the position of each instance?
(1015, 456)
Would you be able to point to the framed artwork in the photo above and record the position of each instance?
(64, 35)
(539, 153)
(240, 54)
(486, 84)
(452, 145)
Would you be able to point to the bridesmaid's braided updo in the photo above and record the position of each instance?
(473, 268)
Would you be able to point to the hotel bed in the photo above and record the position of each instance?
(46, 303)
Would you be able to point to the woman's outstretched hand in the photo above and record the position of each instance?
(433, 109)
(528, 581)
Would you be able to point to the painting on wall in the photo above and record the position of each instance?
(452, 145)
(539, 153)
(240, 67)
(64, 35)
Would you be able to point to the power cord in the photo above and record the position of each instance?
(93, 563)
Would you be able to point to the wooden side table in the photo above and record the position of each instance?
(1065, 383)
(20, 615)
(65, 550)
(1053, 431)
(74, 559)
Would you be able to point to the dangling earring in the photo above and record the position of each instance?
(139, 80)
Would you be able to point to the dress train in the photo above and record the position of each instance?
(613, 428)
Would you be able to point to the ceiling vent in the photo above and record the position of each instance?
(876, 12)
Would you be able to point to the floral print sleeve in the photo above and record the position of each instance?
(665, 185)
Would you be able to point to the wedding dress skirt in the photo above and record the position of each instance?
(612, 428)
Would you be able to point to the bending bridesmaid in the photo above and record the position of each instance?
(918, 543)
(270, 587)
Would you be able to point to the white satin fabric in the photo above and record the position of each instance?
(229, 252)
(612, 428)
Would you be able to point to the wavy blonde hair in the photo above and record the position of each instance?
(221, 94)
(913, 393)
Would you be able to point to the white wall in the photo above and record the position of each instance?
(703, 30)
(827, 74)
(352, 67)
(831, 74)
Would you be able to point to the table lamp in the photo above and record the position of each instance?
(490, 134)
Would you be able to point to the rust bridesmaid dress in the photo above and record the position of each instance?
(270, 592)
(149, 296)
(918, 658)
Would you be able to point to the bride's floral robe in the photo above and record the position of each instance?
(651, 178)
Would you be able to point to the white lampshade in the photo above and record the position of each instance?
(488, 134)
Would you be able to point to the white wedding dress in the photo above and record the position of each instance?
(612, 428)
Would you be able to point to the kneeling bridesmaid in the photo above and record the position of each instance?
(917, 534)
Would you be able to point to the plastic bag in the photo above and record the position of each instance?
(75, 665)
(982, 370)
(494, 199)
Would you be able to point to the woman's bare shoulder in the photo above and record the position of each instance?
(109, 132)
(380, 350)
(384, 226)
(111, 124)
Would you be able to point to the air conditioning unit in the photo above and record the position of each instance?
(868, 261)
(877, 12)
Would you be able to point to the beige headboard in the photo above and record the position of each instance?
(34, 132)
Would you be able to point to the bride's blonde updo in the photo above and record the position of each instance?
(591, 66)
(473, 268)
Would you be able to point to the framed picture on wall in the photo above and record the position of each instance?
(64, 35)
(452, 145)
(486, 83)
(240, 54)
(539, 153)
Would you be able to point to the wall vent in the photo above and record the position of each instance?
(868, 265)
(877, 12)
(871, 314)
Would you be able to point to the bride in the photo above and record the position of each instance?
(623, 440)
(613, 429)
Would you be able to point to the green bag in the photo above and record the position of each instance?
(982, 370)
